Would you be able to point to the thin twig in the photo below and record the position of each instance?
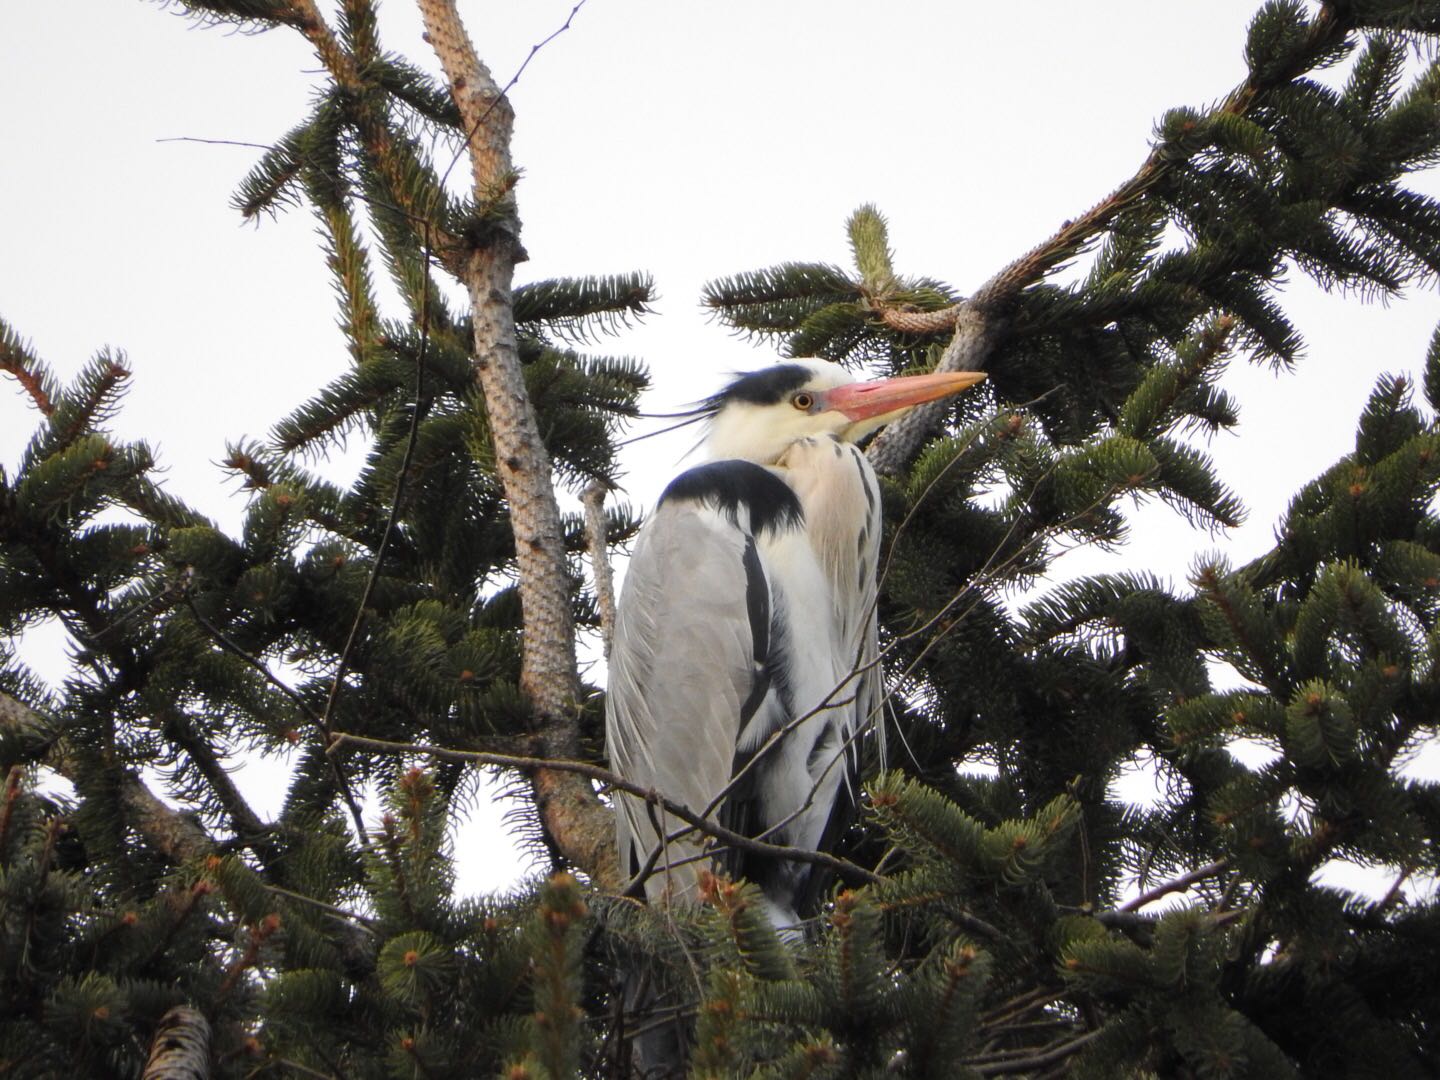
(254, 661)
(844, 867)
(1044, 1057)
(215, 142)
(1394, 891)
(505, 91)
(1020, 1005)
(364, 922)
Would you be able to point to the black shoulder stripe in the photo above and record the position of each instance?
(729, 485)
(757, 604)
(757, 607)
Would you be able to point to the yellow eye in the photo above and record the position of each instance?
(803, 401)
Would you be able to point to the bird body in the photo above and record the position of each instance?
(744, 667)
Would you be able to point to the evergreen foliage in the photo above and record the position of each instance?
(993, 925)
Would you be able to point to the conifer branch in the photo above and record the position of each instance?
(574, 819)
(376, 138)
(226, 643)
(17, 359)
(175, 835)
(392, 519)
(179, 730)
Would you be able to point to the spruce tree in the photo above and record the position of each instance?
(985, 919)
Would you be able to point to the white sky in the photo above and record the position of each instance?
(689, 139)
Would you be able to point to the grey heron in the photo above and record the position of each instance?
(743, 669)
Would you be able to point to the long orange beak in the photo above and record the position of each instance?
(864, 400)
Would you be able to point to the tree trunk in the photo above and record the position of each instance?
(573, 816)
(181, 1050)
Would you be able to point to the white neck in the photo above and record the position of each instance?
(749, 432)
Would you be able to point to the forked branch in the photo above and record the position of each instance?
(979, 321)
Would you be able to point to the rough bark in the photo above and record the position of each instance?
(575, 820)
(181, 1050)
(977, 330)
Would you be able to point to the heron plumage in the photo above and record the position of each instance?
(744, 669)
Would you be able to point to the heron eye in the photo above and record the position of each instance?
(803, 401)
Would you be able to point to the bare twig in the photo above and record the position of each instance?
(1020, 1005)
(505, 90)
(1393, 893)
(1042, 1058)
(594, 500)
(587, 771)
(229, 645)
(216, 142)
(1179, 884)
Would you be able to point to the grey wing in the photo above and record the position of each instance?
(687, 663)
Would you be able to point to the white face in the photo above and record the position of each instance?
(761, 432)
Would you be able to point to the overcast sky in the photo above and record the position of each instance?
(688, 139)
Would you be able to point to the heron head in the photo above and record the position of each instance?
(762, 412)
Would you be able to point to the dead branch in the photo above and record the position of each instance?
(594, 500)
